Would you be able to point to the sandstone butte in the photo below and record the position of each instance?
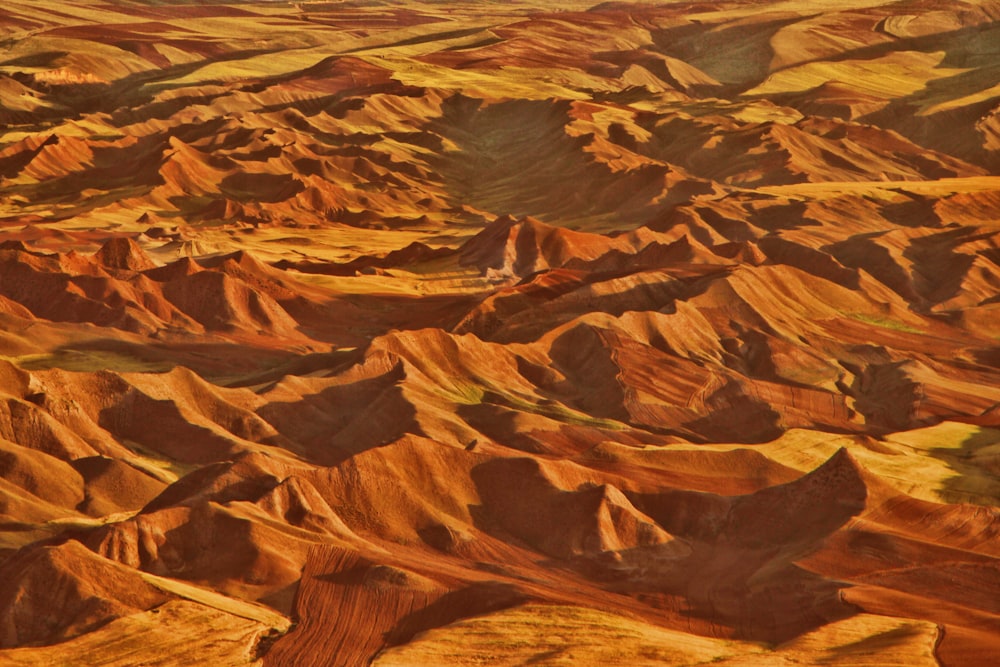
(422, 333)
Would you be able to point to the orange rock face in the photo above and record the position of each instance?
(420, 333)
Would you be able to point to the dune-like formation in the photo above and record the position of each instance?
(417, 333)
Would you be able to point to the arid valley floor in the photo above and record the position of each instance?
(416, 333)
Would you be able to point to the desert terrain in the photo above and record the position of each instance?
(406, 332)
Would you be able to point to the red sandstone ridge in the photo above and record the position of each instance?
(409, 333)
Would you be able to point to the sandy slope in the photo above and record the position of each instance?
(410, 333)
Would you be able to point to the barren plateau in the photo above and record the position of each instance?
(406, 332)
